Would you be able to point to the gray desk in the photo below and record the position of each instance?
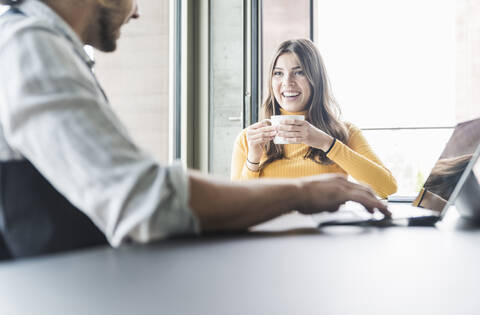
(282, 267)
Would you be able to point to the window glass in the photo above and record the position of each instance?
(390, 64)
(226, 75)
(392, 71)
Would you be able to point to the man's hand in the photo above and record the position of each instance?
(222, 205)
(328, 192)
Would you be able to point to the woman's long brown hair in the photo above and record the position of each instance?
(322, 111)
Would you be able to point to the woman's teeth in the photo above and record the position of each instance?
(290, 94)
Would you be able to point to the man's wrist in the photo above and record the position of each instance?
(298, 199)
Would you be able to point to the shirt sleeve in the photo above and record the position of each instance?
(359, 160)
(239, 169)
(53, 113)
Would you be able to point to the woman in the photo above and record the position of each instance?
(322, 143)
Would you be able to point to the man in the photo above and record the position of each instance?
(70, 174)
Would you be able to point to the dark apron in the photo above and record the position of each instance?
(36, 219)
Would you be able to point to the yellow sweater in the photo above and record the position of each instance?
(356, 159)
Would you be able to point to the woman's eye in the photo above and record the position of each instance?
(300, 72)
(277, 73)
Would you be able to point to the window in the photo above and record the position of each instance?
(392, 69)
(398, 60)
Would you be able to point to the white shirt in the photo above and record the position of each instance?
(54, 113)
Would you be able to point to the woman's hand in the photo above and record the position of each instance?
(257, 136)
(301, 131)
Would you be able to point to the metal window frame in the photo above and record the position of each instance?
(175, 93)
(252, 60)
(408, 128)
(189, 91)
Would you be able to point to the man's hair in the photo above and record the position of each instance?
(10, 2)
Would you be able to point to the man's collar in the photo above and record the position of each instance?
(40, 10)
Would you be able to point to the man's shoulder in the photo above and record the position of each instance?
(33, 37)
(17, 25)
(38, 52)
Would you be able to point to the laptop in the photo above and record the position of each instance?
(454, 180)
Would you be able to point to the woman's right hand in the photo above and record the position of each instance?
(258, 135)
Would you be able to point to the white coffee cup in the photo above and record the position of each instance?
(275, 121)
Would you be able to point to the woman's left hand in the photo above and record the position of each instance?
(301, 131)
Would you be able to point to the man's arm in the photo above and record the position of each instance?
(223, 205)
(54, 115)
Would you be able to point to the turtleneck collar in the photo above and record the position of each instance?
(284, 112)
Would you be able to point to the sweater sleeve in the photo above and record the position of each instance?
(359, 160)
(239, 169)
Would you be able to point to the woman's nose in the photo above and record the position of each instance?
(287, 79)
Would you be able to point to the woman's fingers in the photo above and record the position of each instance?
(261, 138)
(293, 136)
(261, 134)
(260, 124)
(290, 134)
(261, 130)
(259, 141)
(290, 128)
(295, 122)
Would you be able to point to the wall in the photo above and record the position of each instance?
(135, 77)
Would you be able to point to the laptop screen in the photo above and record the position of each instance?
(448, 169)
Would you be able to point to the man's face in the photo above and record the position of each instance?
(112, 15)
